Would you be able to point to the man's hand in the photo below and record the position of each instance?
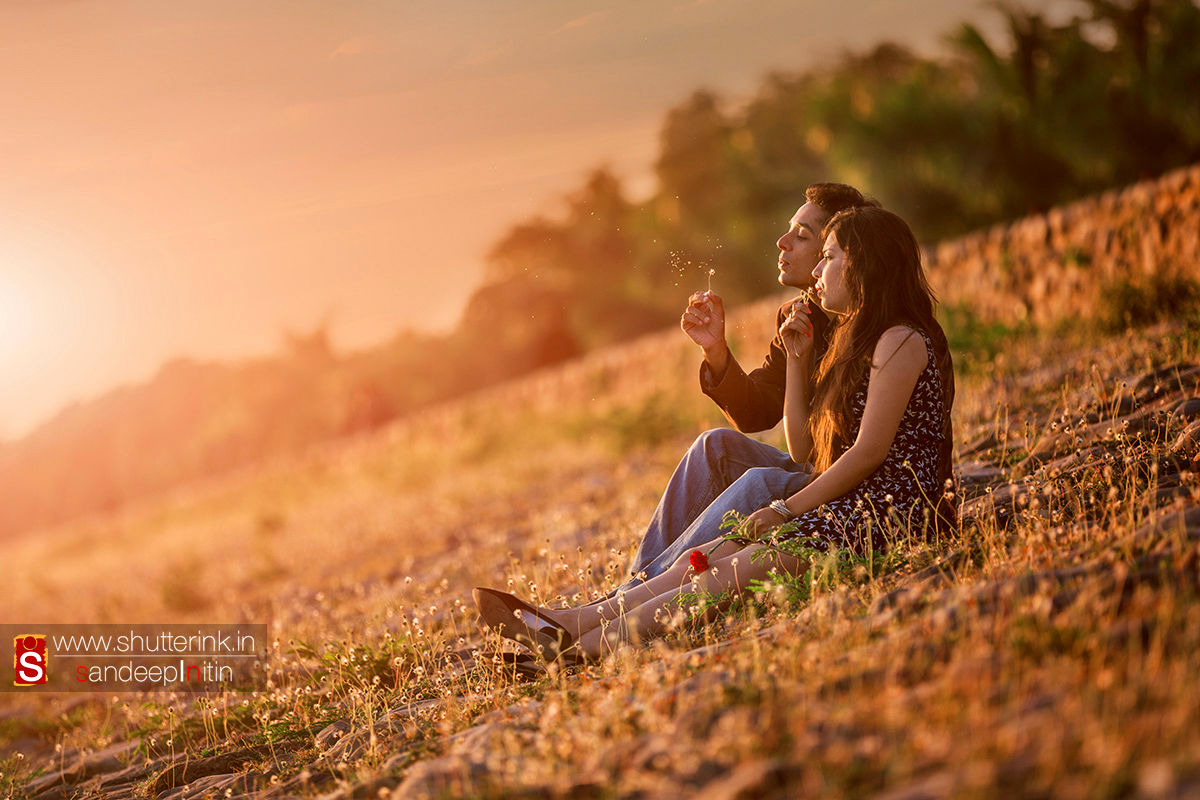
(704, 322)
(797, 330)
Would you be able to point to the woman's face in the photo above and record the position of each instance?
(830, 273)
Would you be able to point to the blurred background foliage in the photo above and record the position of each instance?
(985, 132)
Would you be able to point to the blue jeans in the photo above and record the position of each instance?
(723, 470)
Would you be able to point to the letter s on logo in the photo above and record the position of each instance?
(31, 669)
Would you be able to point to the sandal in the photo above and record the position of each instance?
(515, 619)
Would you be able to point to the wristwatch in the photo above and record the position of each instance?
(780, 508)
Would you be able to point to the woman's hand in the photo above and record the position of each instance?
(762, 521)
(797, 330)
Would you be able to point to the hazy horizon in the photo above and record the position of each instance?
(190, 180)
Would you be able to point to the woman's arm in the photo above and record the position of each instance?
(899, 357)
(796, 429)
(796, 334)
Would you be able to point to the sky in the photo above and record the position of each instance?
(195, 177)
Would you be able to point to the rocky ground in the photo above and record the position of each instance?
(1050, 650)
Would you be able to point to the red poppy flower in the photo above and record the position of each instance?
(699, 561)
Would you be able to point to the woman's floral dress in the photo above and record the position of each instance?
(898, 498)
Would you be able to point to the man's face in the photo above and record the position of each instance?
(800, 247)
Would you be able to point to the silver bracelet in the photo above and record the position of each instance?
(780, 508)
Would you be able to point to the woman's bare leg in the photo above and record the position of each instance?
(652, 616)
(578, 621)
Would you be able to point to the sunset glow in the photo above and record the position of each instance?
(211, 174)
(19, 320)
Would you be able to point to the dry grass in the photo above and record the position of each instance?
(1052, 656)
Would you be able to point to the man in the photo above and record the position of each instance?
(744, 473)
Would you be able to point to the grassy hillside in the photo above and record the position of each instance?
(1051, 651)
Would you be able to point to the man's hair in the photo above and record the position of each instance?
(835, 197)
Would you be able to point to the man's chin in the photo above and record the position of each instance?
(793, 282)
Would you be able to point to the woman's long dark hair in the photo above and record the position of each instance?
(886, 286)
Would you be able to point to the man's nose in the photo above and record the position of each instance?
(782, 243)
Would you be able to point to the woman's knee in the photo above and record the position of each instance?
(783, 562)
(771, 560)
(713, 550)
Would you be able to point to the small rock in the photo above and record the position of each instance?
(985, 442)
(1074, 462)
(331, 733)
(1188, 519)
(750, 781)
(1165, 379)
(472, 755)
(521, 711)
(685, 692)
(371, 789)
(302, 783)
(98, 763)
(972, 474)
(396, 762)
(1187, 444)
(1123, 404)
(440, 777)
(1188, 408)
(932, 787)
(354, 741)
(59, 791)
(1156, 779)
(1000, 505)
(217, 785)
(350, 746)
(187, 772)
(1052, 445)
(477, 744)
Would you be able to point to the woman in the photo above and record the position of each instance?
(877, 429)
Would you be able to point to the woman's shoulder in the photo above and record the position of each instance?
(903, 344)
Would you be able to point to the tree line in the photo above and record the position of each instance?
(983, 133)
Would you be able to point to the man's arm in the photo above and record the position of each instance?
(754, 402)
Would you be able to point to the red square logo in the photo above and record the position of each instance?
(29, 659)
